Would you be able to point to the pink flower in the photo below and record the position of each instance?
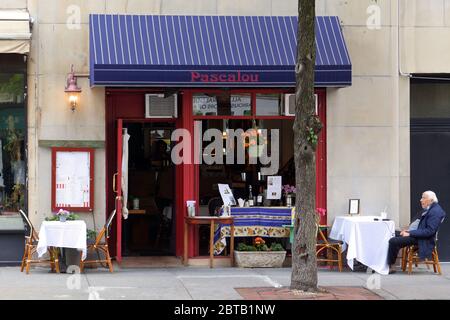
(62, 212)
(288, 189)
(321, 211)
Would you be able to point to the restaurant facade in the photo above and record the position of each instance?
(148, 69)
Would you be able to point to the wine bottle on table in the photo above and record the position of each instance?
(251, 202)
(260, 198)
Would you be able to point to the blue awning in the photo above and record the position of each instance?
(210, 51)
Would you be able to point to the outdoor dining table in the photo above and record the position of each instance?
(68, 234)
(366, 240)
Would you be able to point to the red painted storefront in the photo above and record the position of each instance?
(129, 105)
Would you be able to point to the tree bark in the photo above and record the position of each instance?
(306, 128)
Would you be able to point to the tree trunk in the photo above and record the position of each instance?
(306, 128)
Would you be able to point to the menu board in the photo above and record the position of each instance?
(227, 195)
(72, 179)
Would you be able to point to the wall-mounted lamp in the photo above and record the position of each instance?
(72, 90)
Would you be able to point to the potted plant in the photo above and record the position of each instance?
(289, 193)
(259, 255)
(63, 215)
(90, 236)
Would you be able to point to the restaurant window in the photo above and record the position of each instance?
(210, 175)
(223, 104)
(268, 104)
(12, 135)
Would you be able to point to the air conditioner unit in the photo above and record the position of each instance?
(158, 106)
(289, 104)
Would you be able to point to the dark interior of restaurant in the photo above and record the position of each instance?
(150, 227)
(151, 181)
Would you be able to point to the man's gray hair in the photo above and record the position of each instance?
(431, 195)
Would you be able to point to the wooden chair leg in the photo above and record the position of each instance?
(436, 261)
(27, 268)
(108, 258)
(340, 260)
(404, 258)
(52, 262)
(56, 260)
(410, 260)
(81, 262)
(24, 258)
(330, 257)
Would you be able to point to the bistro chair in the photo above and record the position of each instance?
(214, 205)
(31, 241)
(327, 245)
(101, 245)
(410, 256)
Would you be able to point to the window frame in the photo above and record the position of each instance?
(17, 64)
(252, 93)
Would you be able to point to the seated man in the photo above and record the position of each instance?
(421, 232)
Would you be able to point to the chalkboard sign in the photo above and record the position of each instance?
(73, 179)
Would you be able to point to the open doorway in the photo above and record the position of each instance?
(150, 227)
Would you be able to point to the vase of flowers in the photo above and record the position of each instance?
(259, 255)
(289, 194)
(62, 215)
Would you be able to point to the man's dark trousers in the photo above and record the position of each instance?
(396, 243)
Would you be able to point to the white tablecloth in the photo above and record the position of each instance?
(366, 240)
(69, 234)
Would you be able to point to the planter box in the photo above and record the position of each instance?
(259, 259)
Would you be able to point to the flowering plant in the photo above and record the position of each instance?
(321, 215)
(288, 189)
(321, 212)
(63, 213)
(259, 245)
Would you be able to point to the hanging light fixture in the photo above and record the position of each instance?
(72, 90)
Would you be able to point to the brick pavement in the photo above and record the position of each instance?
(328, 293)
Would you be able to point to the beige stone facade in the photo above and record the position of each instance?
(368, 123)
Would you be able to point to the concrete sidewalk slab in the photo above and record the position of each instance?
(203, 283)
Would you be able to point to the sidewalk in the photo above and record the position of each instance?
(200, 283)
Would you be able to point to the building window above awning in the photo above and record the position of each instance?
(15, 32)
(210, 51)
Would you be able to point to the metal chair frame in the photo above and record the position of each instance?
(31, 241)
(330, 247)
(100, 246)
